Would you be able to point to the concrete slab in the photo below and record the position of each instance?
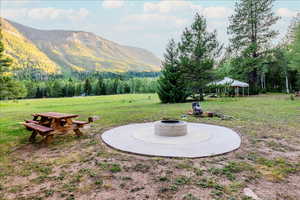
(202, 140)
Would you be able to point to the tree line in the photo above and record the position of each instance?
(90, 86)
(199, 58)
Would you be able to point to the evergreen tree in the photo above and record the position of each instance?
(87, 87)
(115, 86)
(171, 88)
(126, 88)
(294, 49)
(100, 87)
(78, 89)
(198, 50)
(57, 89)
(250, 28)
(70, 88)
(9, 88)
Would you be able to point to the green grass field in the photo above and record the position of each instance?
(123, 109)
(269, 125)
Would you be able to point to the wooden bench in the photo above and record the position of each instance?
(77, 125)
(79, 122)
(38, 129)
(32, 121)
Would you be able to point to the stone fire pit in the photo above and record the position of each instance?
(170, 128)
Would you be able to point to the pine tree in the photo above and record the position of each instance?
(171, 88)
(294, 49)
(70, 88)
(87, 87)
(57, 89)
(115, 86)
(100, 87)
(78, 89)
(250, 29)
(198, 50)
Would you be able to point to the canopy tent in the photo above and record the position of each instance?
(231, 83)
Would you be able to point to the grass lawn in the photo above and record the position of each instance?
(268, 161)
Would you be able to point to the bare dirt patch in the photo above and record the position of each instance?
(85, 168)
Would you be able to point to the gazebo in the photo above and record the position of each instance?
(229, 82)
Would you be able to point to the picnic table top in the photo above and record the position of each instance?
(56, 115)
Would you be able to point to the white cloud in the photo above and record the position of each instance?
(112, 3)
(166, 6)
(19, 3)
(285, 12)
(155, 19)
(216, 12)
(45, 13)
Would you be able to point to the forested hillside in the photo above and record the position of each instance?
(56, 51)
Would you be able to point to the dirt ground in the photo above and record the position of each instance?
(268, 163)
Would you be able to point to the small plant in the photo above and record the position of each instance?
(163, 189)
(292, 97)
(141, 168)
(173, 187)
(231, 169)
(77, 178)
(246, 198)
(115, 168)
(137, 189)
(184, 165)
(190, 197)
(234, 187)
(71, 197)
(49, 193)
(163, 179)
(217, 193)
(198, 172)
(126, 178)
(210, 183)
(99, 182)
(182, 180)
(122, 185)
(40, 179)
(104, 165)
(69, 187)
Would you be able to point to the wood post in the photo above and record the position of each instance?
(32, 137)
(78, 132)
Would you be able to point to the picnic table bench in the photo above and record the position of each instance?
(51, 123)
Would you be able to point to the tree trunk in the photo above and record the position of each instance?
(287, 84)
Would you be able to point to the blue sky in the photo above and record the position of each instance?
(147, 24)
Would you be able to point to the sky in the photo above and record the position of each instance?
(148, 24)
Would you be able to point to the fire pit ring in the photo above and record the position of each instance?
(170, 128)
(201, 140)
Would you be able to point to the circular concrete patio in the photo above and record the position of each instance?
(202, 140)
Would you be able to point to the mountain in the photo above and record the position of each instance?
(57, 51)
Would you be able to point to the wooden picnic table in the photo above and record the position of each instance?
(50, 123)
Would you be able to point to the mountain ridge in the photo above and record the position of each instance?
(56, 51)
